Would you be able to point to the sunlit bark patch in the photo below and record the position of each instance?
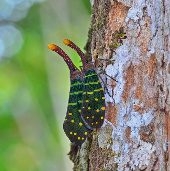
(129, 78)
(127, 134)
(139, 91)
(147, 133)
(152, 66)
(116, 17)
(111, 114)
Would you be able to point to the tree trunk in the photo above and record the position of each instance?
(130, 41)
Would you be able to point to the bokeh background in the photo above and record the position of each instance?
(34, 82)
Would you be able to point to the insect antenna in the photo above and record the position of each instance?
(77, 49)
(93, 100)
(74, 127)
(66, 58)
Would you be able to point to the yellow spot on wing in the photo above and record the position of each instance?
(90, 92)
(77, 92)
(72, 104)
(75, 133)
(79, 110)
(89, 75)
(75, 84)
(85, 133)
(92, 83)
(97, 110)
(101, 117)
(89, 108)
(82, 138)
(96, 99)
(103, 98)
(98, 89)
(80, 101)
(79, 138)
(103, 108)
(71, 133)
(70, 114)
(80, 123)
(72, 121)
(87, 101)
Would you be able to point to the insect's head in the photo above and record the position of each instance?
(77, 49)
(66, 58)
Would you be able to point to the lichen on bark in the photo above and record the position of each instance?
(136, 132)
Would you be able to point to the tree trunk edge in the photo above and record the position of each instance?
(138, 138)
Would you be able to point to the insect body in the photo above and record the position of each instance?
(86, 104)
(93, 108)
(73, 126)
(93, 100)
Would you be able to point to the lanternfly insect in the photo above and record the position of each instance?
(86, 106)
(73, 126)
(93, 107)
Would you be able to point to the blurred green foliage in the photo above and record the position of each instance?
(34, 87)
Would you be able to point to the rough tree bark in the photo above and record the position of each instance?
(136, 131)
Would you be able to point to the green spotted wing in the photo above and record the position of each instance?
(73, 125)
(93, 108)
